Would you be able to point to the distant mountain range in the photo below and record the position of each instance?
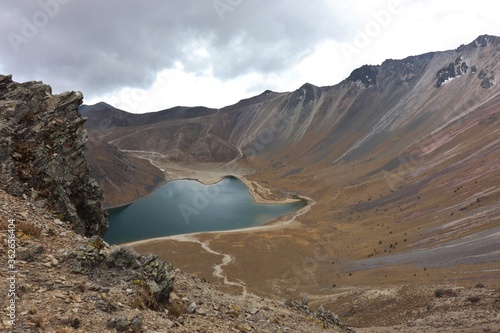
(381, 118)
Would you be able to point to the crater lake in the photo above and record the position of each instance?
(188, 206)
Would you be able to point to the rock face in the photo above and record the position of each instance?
(42, 143)
(366, 74)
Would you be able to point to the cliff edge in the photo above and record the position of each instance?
(42, 143)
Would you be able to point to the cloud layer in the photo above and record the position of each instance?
(104, 45)
(217, 51)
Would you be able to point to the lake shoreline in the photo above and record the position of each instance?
(257, 199)
(282, 221)
(276, 224)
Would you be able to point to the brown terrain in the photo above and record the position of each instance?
(69, 283)
(58, 275)
(401, 165)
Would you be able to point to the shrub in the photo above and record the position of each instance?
(473, 299)
(29, 229)
(445, 293)
(176, 309)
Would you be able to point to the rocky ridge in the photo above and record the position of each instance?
(42, 144)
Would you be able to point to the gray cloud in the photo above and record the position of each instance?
(101, 46)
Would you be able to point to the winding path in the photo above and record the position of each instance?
(227, 258)
(218, 271)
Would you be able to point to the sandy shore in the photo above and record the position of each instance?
(284, 221)
(253, 187)
(212, 181)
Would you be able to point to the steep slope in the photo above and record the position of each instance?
(64, 282)
(345, 121)
(137, 177)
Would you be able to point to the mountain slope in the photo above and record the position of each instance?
(402, 160)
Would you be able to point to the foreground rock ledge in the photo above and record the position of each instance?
(42, 143)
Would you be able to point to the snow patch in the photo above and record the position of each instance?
(448, 80)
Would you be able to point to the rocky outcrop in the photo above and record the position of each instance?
(42, 143)
(454, 69)
(366, 75)
(154, 275)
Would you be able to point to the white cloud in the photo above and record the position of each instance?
(160, 54)
(176, 87)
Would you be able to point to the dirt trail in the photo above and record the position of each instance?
(227, 258)
(218, 271)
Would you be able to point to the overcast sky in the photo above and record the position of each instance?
(149, 55)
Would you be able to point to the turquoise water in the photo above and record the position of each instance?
(187, 206)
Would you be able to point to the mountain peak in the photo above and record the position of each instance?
(480, 41)
(366, 74)
(267, 92)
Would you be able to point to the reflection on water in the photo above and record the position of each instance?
(187, 206)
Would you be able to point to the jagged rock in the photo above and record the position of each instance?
(192, 308)
(366, 74)
(105, 306)
(487, 82)
(159, 278)
(121, 324)
(155, 275)
(30, 254)
(445, 74)
(464, 67)
(123, 257)
(84, 258)
(482, 41)
(42, 144)
(482, 74)
(326, 316)
(136, 323)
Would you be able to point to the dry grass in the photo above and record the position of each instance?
(29, 229)
(38, 320)
(176, 309)
(62, 330)
(148, 299)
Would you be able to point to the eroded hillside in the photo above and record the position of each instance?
(402, 160)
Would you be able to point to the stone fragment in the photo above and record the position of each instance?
(192, 308)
